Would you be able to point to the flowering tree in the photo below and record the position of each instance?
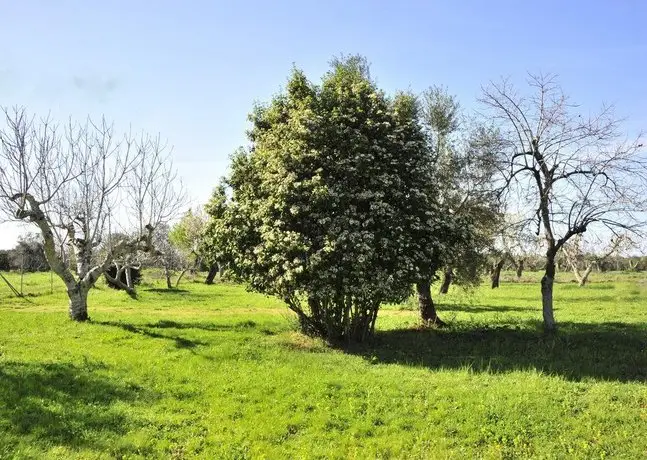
(329, 208)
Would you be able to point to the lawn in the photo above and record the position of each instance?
(216, 372)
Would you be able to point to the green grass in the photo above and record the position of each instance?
(217, 372)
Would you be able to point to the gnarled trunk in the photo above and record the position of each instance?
(78, 295)
(547, 293)
(213, 271)
(495, 275)
(448, 277)
(426, 305)
(520, 269)
(585, 276)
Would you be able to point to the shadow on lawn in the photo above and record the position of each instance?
(149, 330)
(168, 324)
(483, 308)
(180, 342)
(606, 351)
(168, 291)
(62, 404)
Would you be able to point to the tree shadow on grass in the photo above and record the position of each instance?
(168, 291)
(168, 324)
(605, 351)
(483, 308)
(179, 342)
(150, 330)
(62, 404)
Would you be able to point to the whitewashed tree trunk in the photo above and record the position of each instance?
(78, 295)
(547, 293)
(129, 278)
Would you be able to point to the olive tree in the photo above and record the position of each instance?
(328, 209)
(570, 170)
(462, 157)
(76, 184)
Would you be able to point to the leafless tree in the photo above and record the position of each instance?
(76, 183)
(582, 264)
(571, 171)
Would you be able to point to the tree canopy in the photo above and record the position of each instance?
(330, 207)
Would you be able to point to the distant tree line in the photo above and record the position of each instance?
(27, 255)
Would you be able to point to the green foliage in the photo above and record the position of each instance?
(187, 234)
(332, 208)
(464, 160)
(27, 255)
(218, 372)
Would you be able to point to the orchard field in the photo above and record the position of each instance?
(218, 372)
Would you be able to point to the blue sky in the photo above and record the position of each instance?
(191, 70)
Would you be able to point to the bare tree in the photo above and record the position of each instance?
(74, 183)
(581, 265)
(571, 171)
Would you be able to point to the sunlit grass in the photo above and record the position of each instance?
(218, 372)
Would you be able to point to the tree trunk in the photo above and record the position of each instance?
(426, 304)
(547, 294)
(167, 275)
(78, 302)
(448, 277)
(496, 273)
(179, 278)
(520, 268)
(117, 282)
(129, 278)
(585, 276)
(213, 271)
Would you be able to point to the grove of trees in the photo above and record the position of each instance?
(344, 198)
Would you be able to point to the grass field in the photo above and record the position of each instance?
(216, 372)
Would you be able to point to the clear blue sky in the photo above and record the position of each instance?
(191, 70)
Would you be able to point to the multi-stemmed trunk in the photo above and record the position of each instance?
(582, 278)
(426, 305)
(547, 291)
(585, 276)
(78, 284)
(448, 277)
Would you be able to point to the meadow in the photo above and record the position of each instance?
(218, 372)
